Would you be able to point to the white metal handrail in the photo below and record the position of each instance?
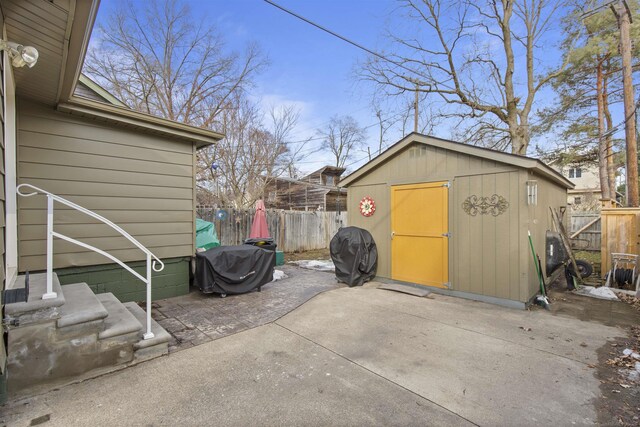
(152, 261)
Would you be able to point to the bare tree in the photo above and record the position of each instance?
(251, 154)
(587, 88)
(158, 58)
(468, 57)
(342, 137)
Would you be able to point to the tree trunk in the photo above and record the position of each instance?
(602, 143)
(519, 138)
(629, 108)
(611, 168)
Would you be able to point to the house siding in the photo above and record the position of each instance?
(3, 351)
(142, 182)
(85, 92)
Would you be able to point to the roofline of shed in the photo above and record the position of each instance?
(508, 158)
(89, 108)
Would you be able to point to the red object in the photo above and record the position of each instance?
(367, 206)
(259, 226)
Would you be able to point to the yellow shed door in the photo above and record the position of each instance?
(419, 223)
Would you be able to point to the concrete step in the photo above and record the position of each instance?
(82, 306)
(120, 321)
(151, 348)
(36, 308)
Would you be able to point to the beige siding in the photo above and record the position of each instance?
(424, 163)
(85, 92)
(3, 352)
(378, 224)
(142, 183)
(488, 255)
(539, 220)
(485, 248)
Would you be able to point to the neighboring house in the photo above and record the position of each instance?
(64, 134)
(456, 217)
(316, 191)
(587, 195)
(586, 178)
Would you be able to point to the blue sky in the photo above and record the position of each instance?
(308, 68)
(313, 70)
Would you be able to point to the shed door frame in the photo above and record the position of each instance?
(409, 239)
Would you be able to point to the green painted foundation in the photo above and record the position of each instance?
(170, 282)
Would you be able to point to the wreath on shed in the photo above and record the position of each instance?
(367, 206)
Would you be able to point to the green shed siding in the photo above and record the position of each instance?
(379, 224)
(488, 255)
(539, 221)
(482, 243)
(143, 183)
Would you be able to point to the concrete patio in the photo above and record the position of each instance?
(197, 318)
(355, 356)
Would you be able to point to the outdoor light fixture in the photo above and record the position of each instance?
(20, 55)
(532, 192)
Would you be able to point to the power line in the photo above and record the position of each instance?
(345, 39)
(318, 138)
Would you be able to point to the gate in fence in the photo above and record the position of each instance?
(585, 231)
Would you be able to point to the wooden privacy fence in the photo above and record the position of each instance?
(585, 231)
(293, 231)
(620, 228)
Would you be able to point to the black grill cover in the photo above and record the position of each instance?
(355, 256)
(234, 269)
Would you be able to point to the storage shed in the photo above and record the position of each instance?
(455, 217)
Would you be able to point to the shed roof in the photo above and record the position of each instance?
(472, 150)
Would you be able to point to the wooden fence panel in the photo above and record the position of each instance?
(293, 231)
(620, 229)
(590, 238)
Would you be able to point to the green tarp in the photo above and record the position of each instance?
(206, 236)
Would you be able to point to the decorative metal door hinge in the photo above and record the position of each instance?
(447, 285)
(448, 234)
(447, 184)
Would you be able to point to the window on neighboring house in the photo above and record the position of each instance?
(329, 180)
(575, 172)
(577, 200)
(272, 196)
